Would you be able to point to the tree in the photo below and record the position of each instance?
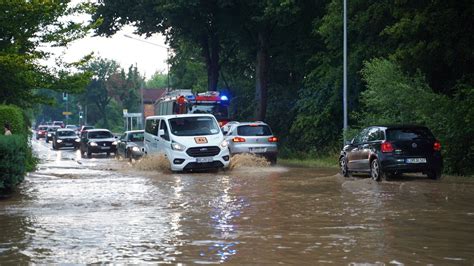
(24, 26)
(158, 80)
(103, 85)
(199, 22)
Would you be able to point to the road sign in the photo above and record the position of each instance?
(67, 113)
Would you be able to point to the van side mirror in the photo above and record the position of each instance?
(161, 132)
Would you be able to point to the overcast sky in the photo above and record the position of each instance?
(126, 51)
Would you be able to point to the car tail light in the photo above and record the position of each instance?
(386, 147)
(437, 145)
(272, 139)
(238, 139)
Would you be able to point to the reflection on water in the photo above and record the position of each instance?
(81, 210)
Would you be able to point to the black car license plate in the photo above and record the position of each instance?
(416, 160)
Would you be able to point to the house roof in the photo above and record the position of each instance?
(151, 95)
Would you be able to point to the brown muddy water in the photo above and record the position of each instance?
(101, 210)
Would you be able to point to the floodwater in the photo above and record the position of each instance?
(101, 210)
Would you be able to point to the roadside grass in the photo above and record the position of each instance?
(325, 161)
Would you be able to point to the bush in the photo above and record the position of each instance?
(393, 98)
(14, 116)
(13, 151)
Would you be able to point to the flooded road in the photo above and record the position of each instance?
(99, 210)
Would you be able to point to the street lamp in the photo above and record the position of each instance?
(345, 73)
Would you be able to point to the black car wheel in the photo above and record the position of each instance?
(343, 165)
(375, 172)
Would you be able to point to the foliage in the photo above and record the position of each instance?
(393, 97)
(158, 80)
(14, 116)
(41, 23)
(110, 90)
(13, 151)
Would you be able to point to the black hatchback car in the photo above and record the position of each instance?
(65, 138)
(385, 151)
(98, 141)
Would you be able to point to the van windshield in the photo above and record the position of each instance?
(193, 126)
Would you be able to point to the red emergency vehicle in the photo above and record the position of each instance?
(185, 102)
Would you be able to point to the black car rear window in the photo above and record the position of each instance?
(409, 134)
(254, 130)
(100, 135)
(66, 133)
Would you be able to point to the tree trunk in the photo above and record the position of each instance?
(210, 49)
(261, 72)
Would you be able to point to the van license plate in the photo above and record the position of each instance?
(204, 160)
(416, 160)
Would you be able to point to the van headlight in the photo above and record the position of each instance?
(59, 141)
(224, 144)
(93, 144)
(114, 143)
(77, 140)
(177, 147)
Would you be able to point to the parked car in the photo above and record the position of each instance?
(50, 133)
(251, 137)
(189, 141)
(98, 141)
(130, 144)
(385, 151)
(58, 123)
(65, 138)
(41, 131)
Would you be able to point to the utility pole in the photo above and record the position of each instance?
(345, 73)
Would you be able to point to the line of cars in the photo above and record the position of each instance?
(189, 141)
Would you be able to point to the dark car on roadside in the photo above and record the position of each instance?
(65, 138)
(98, 141)
(41, 131)
(387, 151)
(130, 144)
(50, 133)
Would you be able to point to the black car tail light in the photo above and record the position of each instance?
(437, 145)
(386, 147)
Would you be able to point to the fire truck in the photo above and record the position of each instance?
(186, 102)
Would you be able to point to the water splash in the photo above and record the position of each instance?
(153, 163)
(247, 160)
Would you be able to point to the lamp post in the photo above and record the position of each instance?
(345, 73)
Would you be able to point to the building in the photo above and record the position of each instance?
(149, 98)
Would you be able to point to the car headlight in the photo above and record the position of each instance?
(224, 144)
(136, 149)
(59, 141)
(177, 147)
(49, 135)
(114, 143)
(93, 144)
(77, 140)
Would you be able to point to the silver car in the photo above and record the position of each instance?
(251, 137)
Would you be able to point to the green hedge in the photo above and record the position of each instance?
(14, 116)
(13, 160)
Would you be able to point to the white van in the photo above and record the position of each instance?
(189, 141)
